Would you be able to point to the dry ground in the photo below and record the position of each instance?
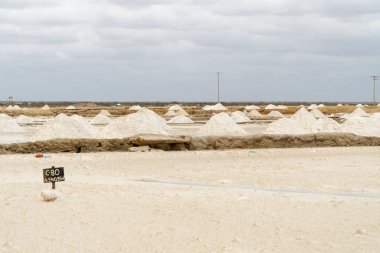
(275, 200)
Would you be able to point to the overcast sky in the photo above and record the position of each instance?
(169, 50)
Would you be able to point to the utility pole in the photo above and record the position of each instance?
(374, 88)
(218, 74)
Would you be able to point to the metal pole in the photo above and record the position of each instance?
(374, 88)
(218, 73)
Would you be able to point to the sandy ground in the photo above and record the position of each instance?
(275, 200)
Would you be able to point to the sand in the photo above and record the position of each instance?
(275, 200)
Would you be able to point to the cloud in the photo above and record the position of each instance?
(249, 39)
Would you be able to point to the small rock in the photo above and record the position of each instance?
(360, 232)
(49, 195)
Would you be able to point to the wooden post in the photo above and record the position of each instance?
(53, 185)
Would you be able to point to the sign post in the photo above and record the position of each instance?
(53, 175)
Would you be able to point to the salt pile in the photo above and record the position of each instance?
(144, 121)
(312, 107)
(282, 107)
(239, 117)
(9, 108)
(178, 110)
(64, 127)
(100, 119)
(4, 117)
(275, 114)
(10, 126)
(304, 118)
(318, 114)
(270, 107)
(251, 107)
(285, 126)
(217, 107)
(105, 113)
(359, 112)
(181, 119)
(325, 125)
(135, 108)
(70, 107)
(364, 126)
(22, 119)
(321, 105)
(254, 113)
(45, 107)
(359, 106)
(339, 105)
(221, 124)
(171, 114)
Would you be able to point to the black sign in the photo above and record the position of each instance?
(54, 175)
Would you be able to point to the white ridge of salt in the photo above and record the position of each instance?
(221, 124)
(144, 121)
(206, 108)
(312, 106)
(359, 112)
(325, 125)
(105, 113)
(64, 127)
(254, 113)
(178, 110)
(363, 126)
(171, 113)
(339, 105)
(217, 107)
(320, 106)
(270, 107)
(181, 119)
(318, 114)
(4, 117)
(282, 107)
(22, 119)
(359, 105)
(252, 107)
(71, 107)
(135, 108)
(45, 107)
(9, 108)
(285, 126)
(10, 126)
(175, 108)
(305, 118)
(239, 117)
(100, 119)
(275, 114)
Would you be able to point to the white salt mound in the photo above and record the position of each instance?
(105, 113)
(359, 105)
(10, 126)
(254, 113)
(206, 108)
(100, 119)
(285, 126)
(364, 126)
(318, 114)
(282, 107)
(312, 106)
(321, 105)
(4, 117)
(251, 107)
(339, 105)
(304, 118)
(181, 119)
(270, 107)
(275, 114)
(135, 108)
(70, 107)
(239, 117)
(359, 112)
(171, 114)
(22, 119)
(221, 124)
(45, 107)
(144, 121)
(64, 127)
(178, 110)
(217, 107)
(325, 125)
(50, 195)
(9, 108)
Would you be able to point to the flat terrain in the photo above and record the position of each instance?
(274, 200)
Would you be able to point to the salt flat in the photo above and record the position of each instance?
(274, 200)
